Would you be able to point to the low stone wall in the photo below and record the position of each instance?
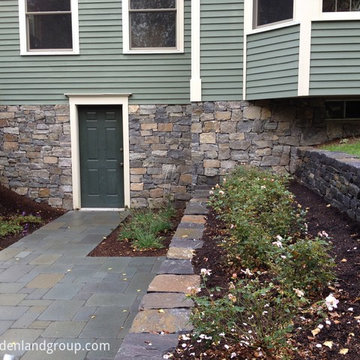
(335, 176)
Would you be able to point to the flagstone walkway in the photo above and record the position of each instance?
(51, 292)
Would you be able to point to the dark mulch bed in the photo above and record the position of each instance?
(112, 246)
(13, 204)
(344, 330)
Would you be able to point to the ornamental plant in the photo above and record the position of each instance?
(286, 269)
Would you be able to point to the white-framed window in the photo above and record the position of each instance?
(269, 12)
(49, 27)
(153, 26)
(341, 5)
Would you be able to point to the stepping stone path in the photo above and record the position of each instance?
(164, 312)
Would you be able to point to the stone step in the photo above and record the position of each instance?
(165, 301)
(176, 267)
(169, 321)
(146, 346)
(180, 253)
(174, 283)
(186, 243)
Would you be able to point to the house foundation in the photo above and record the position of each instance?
(171, 147)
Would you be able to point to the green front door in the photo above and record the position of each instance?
(101, 157)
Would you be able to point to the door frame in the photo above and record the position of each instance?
(76, 100)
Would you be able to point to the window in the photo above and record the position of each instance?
(341, 5)
(272, 11)
(48, 26)
(153, 25)
(343, 110)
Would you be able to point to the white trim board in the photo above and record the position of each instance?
(76, 100)
(75, 33)
(195, 82)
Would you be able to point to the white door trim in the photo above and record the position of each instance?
(76, 100)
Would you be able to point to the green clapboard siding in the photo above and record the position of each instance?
(222, 27)
(272, 64)
(100, 68)
(335, 58)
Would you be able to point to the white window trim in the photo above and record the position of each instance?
(75, 33)
(179, 32)
(274, 25)
(76, 100)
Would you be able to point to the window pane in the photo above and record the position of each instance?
(329, 5)
(152, 4)
(355, 5)
(334, 109)
(353, 109)
(270, 11)
(343, 5)
(151, 29)
(50, 31)
(48, 5)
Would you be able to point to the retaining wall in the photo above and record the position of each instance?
(333, 175)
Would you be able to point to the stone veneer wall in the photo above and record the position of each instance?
(263, 133)
(335, 176)
(172, 147)
(160, 154)
(35, 154)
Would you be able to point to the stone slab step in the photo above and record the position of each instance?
(180, 253)
(165, 301)
(183, 233)
(174, 283)
(176, 267)
(198, 219)
(170, 321)
(186, 243)
(196, 209)
(146, 346)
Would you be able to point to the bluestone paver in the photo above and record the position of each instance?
(51, 290)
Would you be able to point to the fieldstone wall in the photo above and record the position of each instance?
(262, 133)
(172, 148)
(335, 176)
(35, 154)
(160, 154)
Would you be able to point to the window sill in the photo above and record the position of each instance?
(47, 53)
(341, 15)
(153, 51)
(270, 27)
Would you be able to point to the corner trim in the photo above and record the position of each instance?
(195, 82)
(76, 100)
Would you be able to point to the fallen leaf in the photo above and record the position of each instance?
(93, 316)
(343, 351)
(329, 344)
(315, 331)
(328, 205)
(161, 311)
(343, 260)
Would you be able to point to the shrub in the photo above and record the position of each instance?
(257, 207)
(251, 314)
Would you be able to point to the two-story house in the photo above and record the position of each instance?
(112, 103)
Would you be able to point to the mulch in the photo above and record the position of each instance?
(112, 246)
(344, 330)
(12, 204)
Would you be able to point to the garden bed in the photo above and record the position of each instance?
(13, 206)
(316, 334)
(111, 246)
